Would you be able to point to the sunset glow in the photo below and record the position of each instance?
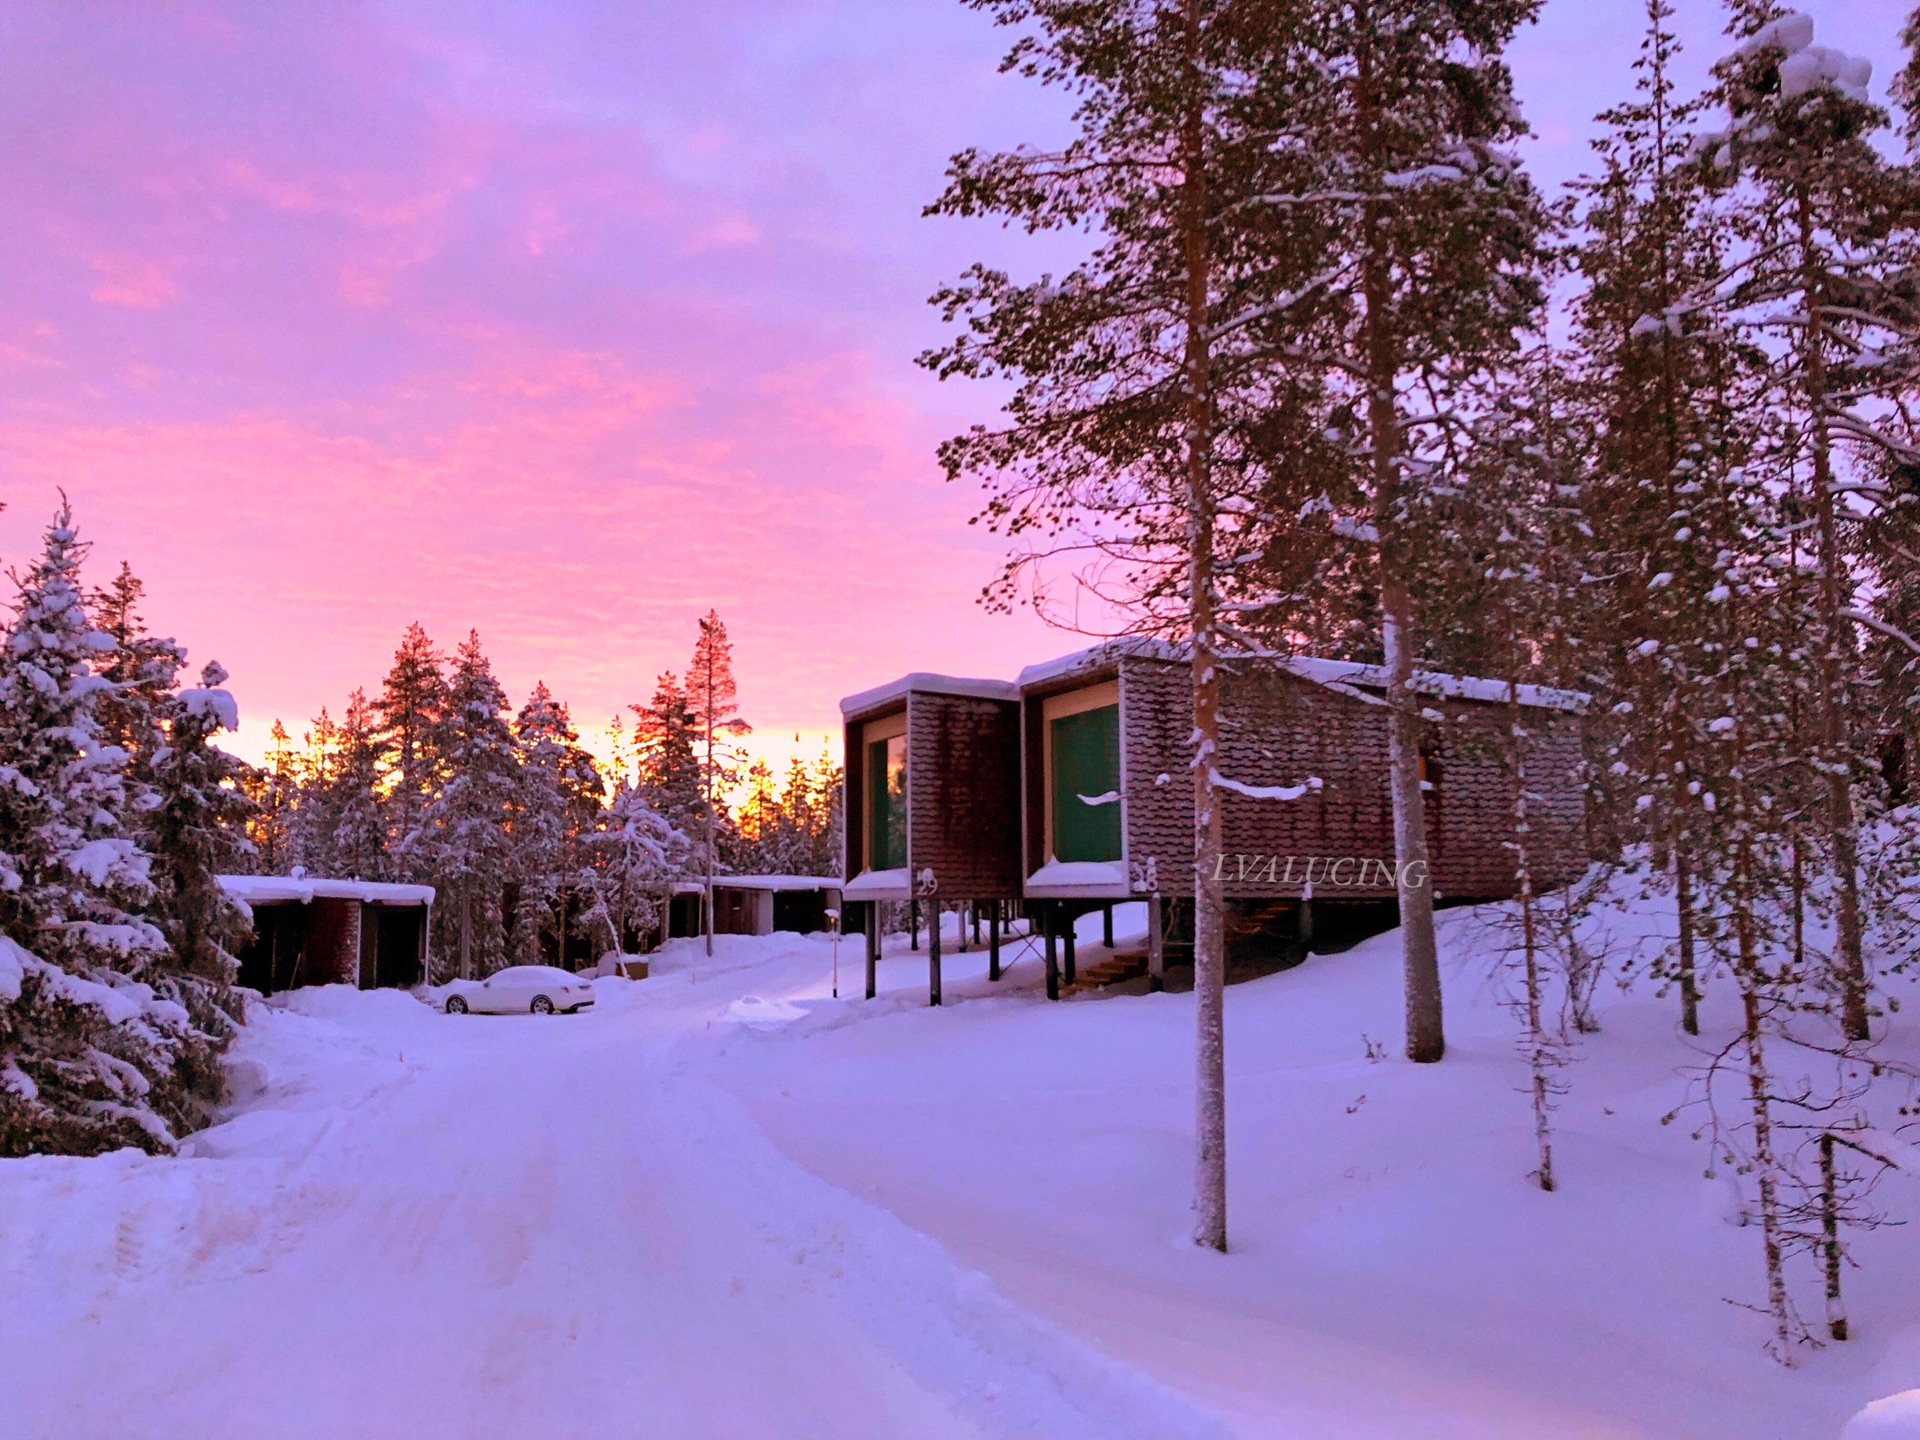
(563, 323)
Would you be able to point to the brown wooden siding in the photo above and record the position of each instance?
(1277, 729)
(963, 794)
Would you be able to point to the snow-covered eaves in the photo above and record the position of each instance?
(1078, 880)
(878, 885)
(269, 889)
(1432, 682)
(1099, 657)
(927, 683)
(777, 882)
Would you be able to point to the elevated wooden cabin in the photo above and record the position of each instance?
(932, 801)
(1108, 783)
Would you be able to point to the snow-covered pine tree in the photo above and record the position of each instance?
(352, 814)
(666, 761)
(1820, 286)
(560, 796)
(274, 789)
(713, 703)
(95, 1053)
(1134, 444)
(411, 710)
(1395, 140)
(141, 666)
(1655, 385)
(635, 857)
(464, 841)
(196, 829)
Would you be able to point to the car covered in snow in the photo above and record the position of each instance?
(516, 990)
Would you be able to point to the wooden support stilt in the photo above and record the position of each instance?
(873, 946)
(993, 941)
(913, 924)
(1066, 954)
(1106, 926)
(1053, 969)
(1156, 947)
(1305, 927)
(960, 915)
(933, 953)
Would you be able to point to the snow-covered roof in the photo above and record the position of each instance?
(266, 889)
(1307, 667)
(930, 684)
(1094, 657)
(1067, 879)
(878, 885)
(1431, 682)
(779, 882)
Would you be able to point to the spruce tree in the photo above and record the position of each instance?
(97, 1048)
(712, 704)
(411, 710)
(560, 796)
(465, 840)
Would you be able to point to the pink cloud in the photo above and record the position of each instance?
(134, 282)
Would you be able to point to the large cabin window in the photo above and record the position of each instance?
(1083, 763)
(887, 795)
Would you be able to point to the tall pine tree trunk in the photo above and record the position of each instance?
(1850, 961)
(1426, 1036)
(1209, 937)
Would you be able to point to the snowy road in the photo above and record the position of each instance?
(434, 1227)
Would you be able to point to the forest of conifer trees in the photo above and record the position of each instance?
(538, 849)
(1337, 378)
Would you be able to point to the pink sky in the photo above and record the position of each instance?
(562, 321)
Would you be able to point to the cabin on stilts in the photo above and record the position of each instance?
(1306, 814)
(932, 806)
(1100, 768)
(309, 931)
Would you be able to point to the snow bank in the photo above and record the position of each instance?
(1897, 1417)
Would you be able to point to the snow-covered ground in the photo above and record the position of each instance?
(725, 1205)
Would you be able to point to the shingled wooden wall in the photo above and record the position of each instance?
(1278, 729)
(963, 794)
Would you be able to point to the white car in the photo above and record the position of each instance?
(518, 990)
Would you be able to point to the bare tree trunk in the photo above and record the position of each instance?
(466, 930)
(1683, 902)
(1760, 1097)
(1539, 1057)
(1850, 962)
(1209, 949)
(1426, 1035)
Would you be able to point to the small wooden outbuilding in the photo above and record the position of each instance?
(309, 931)
(932, 801)
(757, 904)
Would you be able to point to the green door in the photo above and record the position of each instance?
(887, 804)
(1086, 784)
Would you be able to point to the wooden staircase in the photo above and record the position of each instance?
(1113, 970)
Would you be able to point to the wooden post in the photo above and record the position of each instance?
(1304, 923)
(1830, 1239)
(913, 924)
(1156, 949)
(933, 953)
(1106, 925)
(960, 915)
(873, 946)
(1053, 969)
(1067, 954)
(993, 941)
(975, 908)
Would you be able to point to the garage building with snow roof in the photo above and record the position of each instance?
(309, 931)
